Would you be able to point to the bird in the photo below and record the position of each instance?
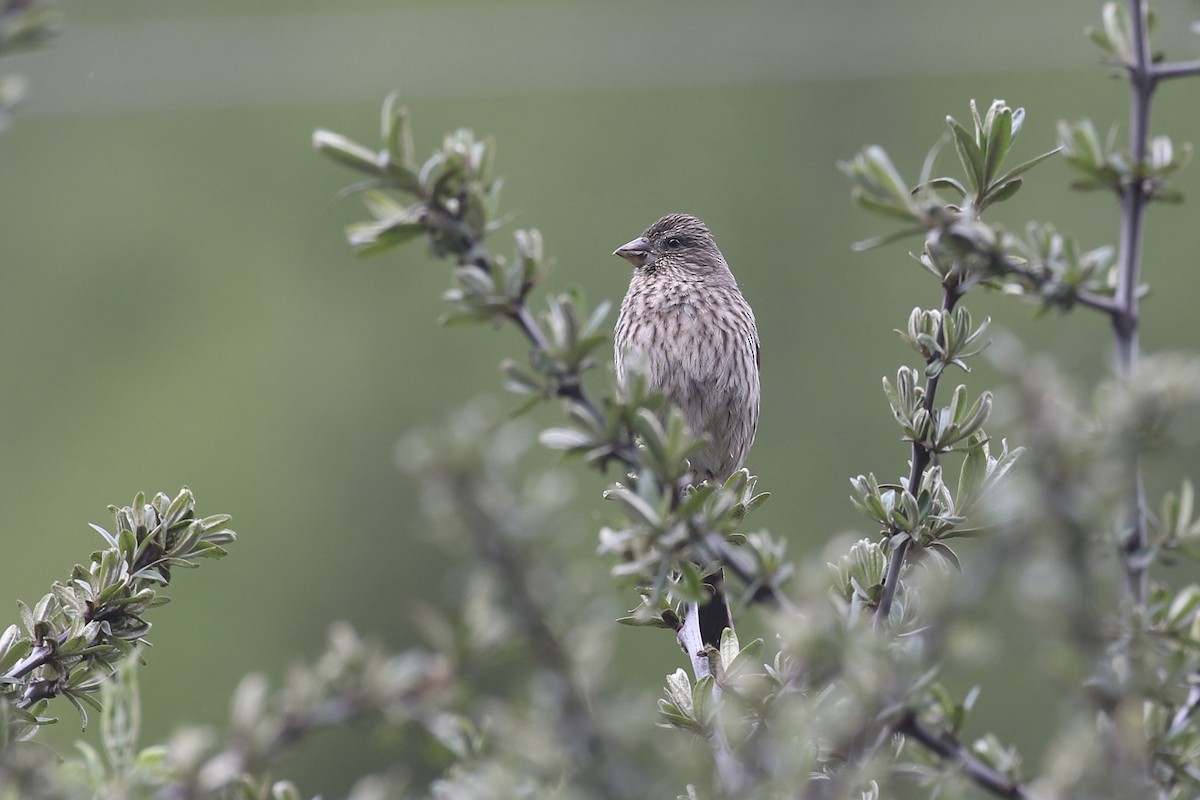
(684, 319)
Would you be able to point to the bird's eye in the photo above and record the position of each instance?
(673, 243)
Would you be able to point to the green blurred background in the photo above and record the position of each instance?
(178, 306)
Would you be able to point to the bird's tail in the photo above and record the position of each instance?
(714, 616)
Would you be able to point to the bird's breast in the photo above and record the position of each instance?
(686, 337)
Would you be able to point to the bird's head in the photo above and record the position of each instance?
(677, 242)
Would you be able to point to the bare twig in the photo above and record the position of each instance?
(1177, 69)
(1142, 81)
(981, 774)
(38, 656)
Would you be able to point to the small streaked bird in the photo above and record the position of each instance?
(686, 320)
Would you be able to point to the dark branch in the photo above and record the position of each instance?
(1141, 74)
(981, 774)
(1084, 298)
(1177, 69)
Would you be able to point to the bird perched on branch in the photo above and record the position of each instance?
(686, 320)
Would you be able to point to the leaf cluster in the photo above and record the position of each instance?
(1146, 669)
(662, 540)
(1103, 166)
(962, 249)
(72, 638)
(879, 187)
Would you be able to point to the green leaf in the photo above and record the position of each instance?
(13, 647)
(880, 241)
(946, 553)
(1184, 504)
(978, 414)
(1028, 165)
(372, 238)
(885, 173)
(749, 655)
(1001, 192)
(384, 207)
(729, 648)
(595, 321)
(756, 501)
(1170, 196)
(565, 439)
(971, 475)
(702, 699)
(397, 130)
(943, 183)
(1183, 607)
(83, 715)
(1083, 146)
(679, 690)
(346, 152)
(635, 506)
(643, 622)
(695, 499)
(999, 139)
(690, 582)
(456, 319)
(969, 154)
(1118, 29)
(886, 208)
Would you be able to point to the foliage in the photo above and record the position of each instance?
(87, 627)
(452, 200)
(845, 698)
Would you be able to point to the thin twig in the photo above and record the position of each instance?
(1096, 302)
(568, 386)
(42, 654)
(524, 319)
(981, 774)
(1177, 69)
(1141, 74)
(1084, 298)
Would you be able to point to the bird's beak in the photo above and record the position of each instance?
(637, 252)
